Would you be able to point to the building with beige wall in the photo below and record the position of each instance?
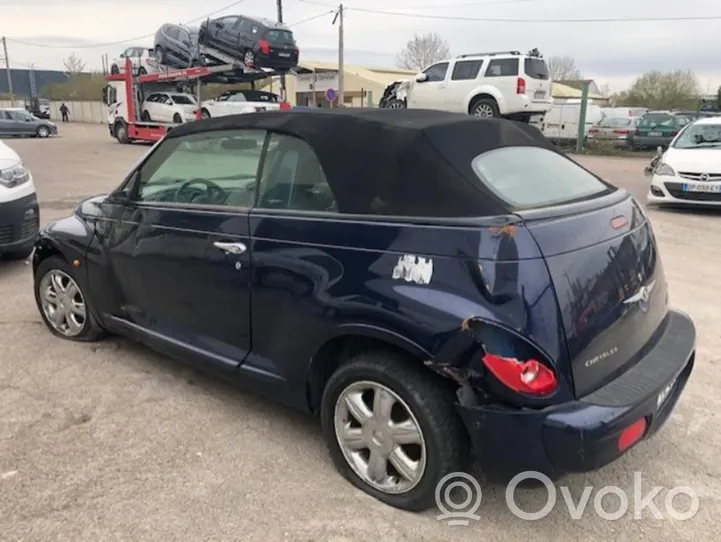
(363, 86)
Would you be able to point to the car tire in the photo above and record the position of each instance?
(484, 108)
(429, 406)
(177, 119)
(121, 131)
(145, 116)
(78, 322)
(159, 55)
(142, 71)
(114, 70)
(43, 131)
(204, 113)
(395, 103)
(249, 58)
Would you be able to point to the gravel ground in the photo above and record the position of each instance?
(112, 442)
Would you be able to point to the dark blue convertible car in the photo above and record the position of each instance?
(427, 283)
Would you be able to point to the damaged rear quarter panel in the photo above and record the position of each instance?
(483, 268)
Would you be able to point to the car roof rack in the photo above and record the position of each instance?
(492, 53)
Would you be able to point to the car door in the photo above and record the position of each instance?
(228, 34)
(164, 108)
(175, 249)
(245, 33)
(295, 263)
(428, 94)
(462, 80)
(502, 73)
(22, 122)
(6, 123)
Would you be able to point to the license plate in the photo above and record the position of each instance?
(702, 187)
(664, 394)
(284, 55)
(655, 134)
(539, 94)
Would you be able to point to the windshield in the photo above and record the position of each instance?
(260, 96)
(699, 136)
(532, 177)
(652, 120)
(536, 68)
(182, 99)
(616, 122)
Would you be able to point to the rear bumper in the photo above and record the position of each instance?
(19, 223)
(646, 141)
(274, 63)
(583, 435)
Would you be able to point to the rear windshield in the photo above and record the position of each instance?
(657, 120)
(183, 100)
(616, 122)
(277, 35)
(532, 177)
(536, 68)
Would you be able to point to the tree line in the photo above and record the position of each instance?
(676, 89)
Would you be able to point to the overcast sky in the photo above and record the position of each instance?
(612, 53)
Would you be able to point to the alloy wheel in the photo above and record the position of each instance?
(380, 437)
(483, 110)
(62, 303)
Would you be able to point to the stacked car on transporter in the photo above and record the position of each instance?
(143, 106)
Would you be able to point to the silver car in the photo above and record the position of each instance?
(614, 130)
(16, 121)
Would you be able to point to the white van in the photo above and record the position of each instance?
(560, 124)
(19, 211)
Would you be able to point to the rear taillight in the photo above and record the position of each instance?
(631, 435)
(264, 47)
(530, 377)
(620, 132)
(520, 86)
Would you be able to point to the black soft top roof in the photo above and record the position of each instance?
(405, 162)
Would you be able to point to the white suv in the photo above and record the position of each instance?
(502, 84)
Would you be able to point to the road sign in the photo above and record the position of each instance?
(331, 94)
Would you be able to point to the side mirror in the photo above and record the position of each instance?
(218, 25)
(659, 150)
(421, 77)
(119, 196)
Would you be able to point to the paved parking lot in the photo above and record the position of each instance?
(111, 442)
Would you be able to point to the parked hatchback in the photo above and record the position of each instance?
(258, 43)
(169, 107)
(423, 281)
(16, 121)
(176, 46)
(657, 129)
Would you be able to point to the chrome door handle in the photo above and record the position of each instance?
(230, 248)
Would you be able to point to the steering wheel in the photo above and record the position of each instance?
(212, 190)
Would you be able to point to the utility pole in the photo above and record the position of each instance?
(341, 66)
(279, 4)
(7, 69)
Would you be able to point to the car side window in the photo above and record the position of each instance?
(502, 67)
(210, 168)
(437, 72)
(239, 97)
(464, 70)
(293, 178)
(18, 115)
(244, 26)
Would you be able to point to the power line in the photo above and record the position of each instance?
(537, 21)
(136, 38)
(313, 18)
